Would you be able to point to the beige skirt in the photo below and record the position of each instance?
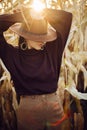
(39, 112)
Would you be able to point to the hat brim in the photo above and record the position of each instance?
(50, 36)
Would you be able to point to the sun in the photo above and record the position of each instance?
(38, 5)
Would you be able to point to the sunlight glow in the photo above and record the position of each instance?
(38, 6)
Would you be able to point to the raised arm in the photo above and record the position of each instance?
(61, 21)
(6, 20)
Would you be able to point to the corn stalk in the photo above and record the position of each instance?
(8, 101)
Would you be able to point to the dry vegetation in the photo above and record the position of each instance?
(75, 54)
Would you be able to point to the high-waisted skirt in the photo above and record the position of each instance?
(39, 112)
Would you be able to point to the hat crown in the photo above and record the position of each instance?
(35, 24)
(38, 27)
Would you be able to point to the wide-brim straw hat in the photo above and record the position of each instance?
(35, 29)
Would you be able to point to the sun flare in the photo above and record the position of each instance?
(38, 5)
